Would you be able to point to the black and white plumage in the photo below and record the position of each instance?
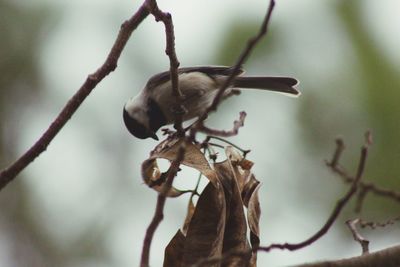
(152, 108)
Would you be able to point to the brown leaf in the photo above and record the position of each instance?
(237, 162)
(218, 224)
(189, 215)
(253, 210)
(251, 184)
(155, 179)
(248, 186)
(173, 251)
(168, 149)
(235, 238)
(206, 229)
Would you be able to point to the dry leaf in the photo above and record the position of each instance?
(237, 162)
(251, 201)
(205, 233)
(235, 237)
(246, 164)
(249, 187)
(253, 217)
(173, 251)
(155, 179)
(168, 149)
(218, 224)
(189, 215)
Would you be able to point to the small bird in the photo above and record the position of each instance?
(152, 108)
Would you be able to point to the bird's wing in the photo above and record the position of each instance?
(209, 70)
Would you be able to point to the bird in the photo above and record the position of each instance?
(152, 108)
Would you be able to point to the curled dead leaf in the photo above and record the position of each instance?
(173, 251)
(189, 215)
(217, 225)
(168, 150)
(253, 215)
(235, 236)
(205, 234)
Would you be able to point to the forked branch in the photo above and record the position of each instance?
(335, 213)
(236, 68)
(9, 173)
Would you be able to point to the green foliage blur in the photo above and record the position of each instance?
(23, 30)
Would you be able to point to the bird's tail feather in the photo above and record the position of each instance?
(277, 84)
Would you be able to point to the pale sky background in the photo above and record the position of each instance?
(90, 175)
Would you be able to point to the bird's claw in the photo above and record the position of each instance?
(179, 110)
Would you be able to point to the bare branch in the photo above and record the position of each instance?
(338, 152)
(335, 213)
(362, 193)
(166, 18)
(236, 125)
(159, 212)
(236, 68)
(209, 137)
(179, 111)
(374, 225)
(110, 64)
(388, 257)
(352, 224)
(364, 187)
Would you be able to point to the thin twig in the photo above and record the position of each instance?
(110, 64)
(335, 213)
(338, 152)
(364, 187)
(216, 145)
(244, 151)
(374, 225)
(352, 224)
(166, 18)
(388, 257)
(234, 131)
(236, 68)
(159, 211)
(211, 152)
(179, 111)
(367, 186)
(362, 193)
(195, 190)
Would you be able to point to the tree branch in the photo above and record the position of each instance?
(236, 68)
(374, 225)
(352, 224)
(110, 64)
(388, 257)
(159, 212)
(335, 213)
(166, 18)
(178, 111)
(234, 131)
(364, 187)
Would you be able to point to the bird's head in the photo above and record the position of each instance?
(137, 123)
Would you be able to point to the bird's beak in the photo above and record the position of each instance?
(154, 136)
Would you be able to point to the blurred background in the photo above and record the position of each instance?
(82, 203)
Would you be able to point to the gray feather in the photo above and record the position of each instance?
(277, 84)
